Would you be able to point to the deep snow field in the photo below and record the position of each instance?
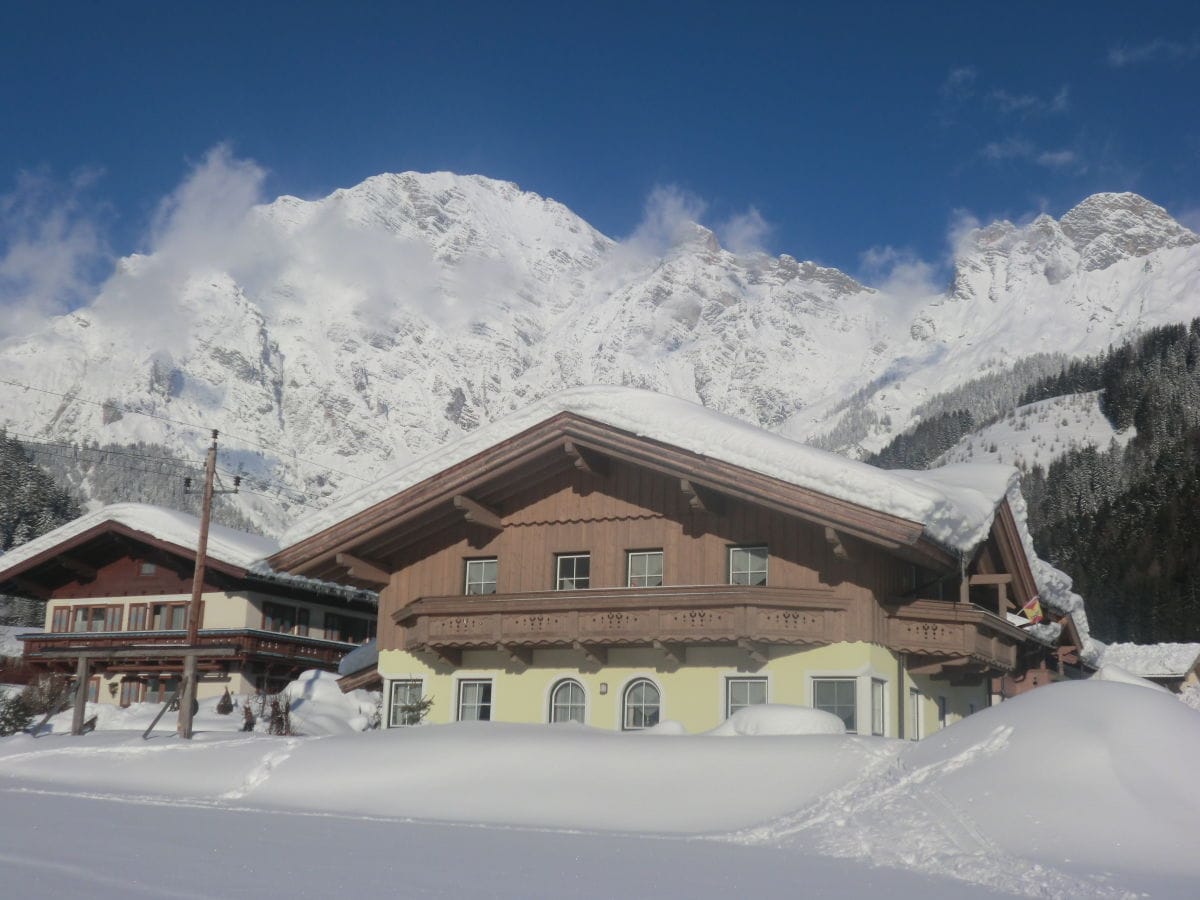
(1082, 789)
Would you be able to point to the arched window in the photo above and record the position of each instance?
(566, 701)
(642, 703)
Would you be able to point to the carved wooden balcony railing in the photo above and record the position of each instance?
(143, 650)
(592, 620)
(960, 634)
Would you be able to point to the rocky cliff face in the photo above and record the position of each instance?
(331, 339)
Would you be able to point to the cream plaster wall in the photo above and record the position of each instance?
(693, 693)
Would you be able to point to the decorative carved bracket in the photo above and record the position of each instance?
(477, 513)
(701, 499)
(756, 651)
(522, 656)
(364, 570)
(447, 655)
(673, 652)
(837, 542)
(586, 461)
(594, 654)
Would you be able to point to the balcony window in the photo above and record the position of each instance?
(878, 716)
(748, 565)
(348, 629)
(838, 696)
(96, 618)
(643, 704)
(481, 576)
(645, 568)
(280, 618)
(475, 701)
(573, 572)
(743, 692)
(567, 703)
(169, 616)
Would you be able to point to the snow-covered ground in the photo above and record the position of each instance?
(1084, 789)
(1039, 433)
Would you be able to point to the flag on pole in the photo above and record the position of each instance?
(1033, 610)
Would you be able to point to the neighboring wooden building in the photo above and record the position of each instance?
(619, 558)
(117, 584)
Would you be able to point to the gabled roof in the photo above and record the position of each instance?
(235, 553)
(951, 508)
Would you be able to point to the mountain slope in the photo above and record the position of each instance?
(331, 339)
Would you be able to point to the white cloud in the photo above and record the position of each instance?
(959, 83)
(1159, 50)
(900, 273)
(1024, 150)
(1009, 148)
(1057, 159)
(1028, 104)
(745, 232)
(52, 249)
(669, 218)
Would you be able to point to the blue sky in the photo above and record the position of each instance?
(846, 126)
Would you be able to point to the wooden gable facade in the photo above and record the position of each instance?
(836, 572)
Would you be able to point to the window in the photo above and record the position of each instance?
(642, 705)
(131, 692)
(96, 618)
(748, 565)
(838, 696)
(878, 717)
(159, 689)
(277, 617)
(914, 714)
(302, 621)
(146, 568)
(645, 568)
(348, 629)
(137, 617)
(572, 572)
(61, 619)
(406, 699)
(942, 708)
(168, 616)
(481, 576)
(743, 692)
(567, 703)
(475, 701)
(93, 689)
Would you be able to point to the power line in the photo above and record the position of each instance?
(75, 398)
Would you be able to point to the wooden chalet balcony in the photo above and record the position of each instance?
(143, 650)
(942, 636)
(594, 620)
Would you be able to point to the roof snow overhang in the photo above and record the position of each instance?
(567, 439)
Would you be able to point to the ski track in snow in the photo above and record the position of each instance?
(894, 816)
(260, 773)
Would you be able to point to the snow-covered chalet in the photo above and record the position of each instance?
(620, 558)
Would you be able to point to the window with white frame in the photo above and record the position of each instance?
(405, 707)
(475, 700)
(567, 703)
(572, 571)
(748, 565)
(642, 704)
(481, 576)
(838, 696)
(914, 714)
(743, 692)
(878, 716)
(942, 707)
(645, 568)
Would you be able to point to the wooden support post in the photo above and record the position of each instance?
(81, 692)
(585, 460)
(837, 542)
(477, 513)
(188, 699)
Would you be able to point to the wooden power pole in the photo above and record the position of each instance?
(187, 699)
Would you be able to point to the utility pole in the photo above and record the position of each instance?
(187, 699)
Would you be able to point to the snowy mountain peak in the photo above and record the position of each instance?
(1106, 228)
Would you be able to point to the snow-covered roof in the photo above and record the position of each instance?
(1153, 660)
(235, 548)
(359, 658)
(955, 504)
(9, 645)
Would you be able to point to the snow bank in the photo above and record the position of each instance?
(955, 505)
(318, 706)
(1121, 676)
(779, 719)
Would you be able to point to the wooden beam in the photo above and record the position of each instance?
(674, 653)
(364, 570)
(935, 666)
(522, 656)
(32, 588)
(1001, 578)
(838, 544)
(82, 677)
(586, 461)
(756, 651)
(78, 566)
(700, 498)
(448, 655)
(477, 513)
(593, 653)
